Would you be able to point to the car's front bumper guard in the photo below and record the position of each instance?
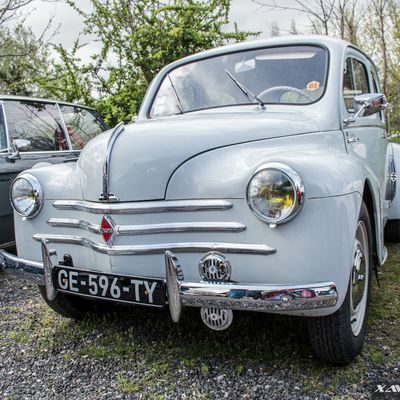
(181, 293)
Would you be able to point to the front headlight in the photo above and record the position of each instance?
(275, 193)
(26, 195)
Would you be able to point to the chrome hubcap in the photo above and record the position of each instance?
(359, 279)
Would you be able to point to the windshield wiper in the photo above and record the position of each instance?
(178, 100)
(245, 90)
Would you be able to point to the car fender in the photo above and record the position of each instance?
(320, 159)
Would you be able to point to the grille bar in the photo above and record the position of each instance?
(148, 229)
(143, 207)
(159, 248)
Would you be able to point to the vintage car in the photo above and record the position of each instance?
(258, 176)
(36, 130)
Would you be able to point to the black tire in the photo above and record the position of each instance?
(74, 307)
(392, 231)
(332, 337)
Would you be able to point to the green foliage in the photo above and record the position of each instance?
(22, 59)
(137, 39)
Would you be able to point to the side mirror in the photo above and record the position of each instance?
(21, 144)
(369, 104)
(17, 146)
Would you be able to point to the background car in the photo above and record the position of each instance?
(37, 130)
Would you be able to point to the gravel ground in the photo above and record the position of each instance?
(139, 353)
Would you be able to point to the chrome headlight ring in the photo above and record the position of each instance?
(279, 180)
(26, 195)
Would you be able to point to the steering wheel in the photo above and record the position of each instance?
(285, 89)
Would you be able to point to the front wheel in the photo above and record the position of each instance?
(338, 338)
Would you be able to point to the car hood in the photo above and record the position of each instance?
(146, 154)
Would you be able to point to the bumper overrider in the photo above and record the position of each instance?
(204, 294)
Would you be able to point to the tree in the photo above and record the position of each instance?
(329, 17)
(9, 9)
(23, 58)
(319, 11)
(137, 39)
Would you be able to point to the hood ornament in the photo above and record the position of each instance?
(108, 230)
(107, 195)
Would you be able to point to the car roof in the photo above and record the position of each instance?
(334, 44)
(38, 99)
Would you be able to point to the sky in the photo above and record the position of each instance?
(249, 16)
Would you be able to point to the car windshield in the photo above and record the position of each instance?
(279, 75)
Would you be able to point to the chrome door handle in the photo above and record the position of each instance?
(353, 139)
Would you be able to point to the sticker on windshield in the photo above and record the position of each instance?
(313, 85)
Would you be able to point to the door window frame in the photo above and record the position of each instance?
(3, 115)
(62, 121)
(352, 58)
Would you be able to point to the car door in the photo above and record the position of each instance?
(6, 177)
(35, 128)
(365, 137)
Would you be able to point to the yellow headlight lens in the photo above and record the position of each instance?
(275, 193)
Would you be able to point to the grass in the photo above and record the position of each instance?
(154, 352)
(395, 140)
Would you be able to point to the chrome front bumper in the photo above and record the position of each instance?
(31, 271)
(234, 296)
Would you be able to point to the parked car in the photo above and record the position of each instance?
(257, 177)
(37, 130)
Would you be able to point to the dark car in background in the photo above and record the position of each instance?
(38, 130)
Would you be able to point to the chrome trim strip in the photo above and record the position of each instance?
(74, 223)
(64, 125)
(7, 245)
(31, 271)
(159, 248)
(236, 296)
(148, 229)
(6, 125)
(143, 207)
(48, 256)
(107, 195)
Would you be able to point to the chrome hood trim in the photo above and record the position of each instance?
(106, 195)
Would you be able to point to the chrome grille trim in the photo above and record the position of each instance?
(143, 207)
(148, 229)
(159, 248)
(74, 223)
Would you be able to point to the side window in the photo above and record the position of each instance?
(355, 82)
(3, 137)
(36, 125)
(166, 102)
(82, 125)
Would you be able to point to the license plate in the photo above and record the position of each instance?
(128, 289)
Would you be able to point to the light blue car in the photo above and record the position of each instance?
(258, 176)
